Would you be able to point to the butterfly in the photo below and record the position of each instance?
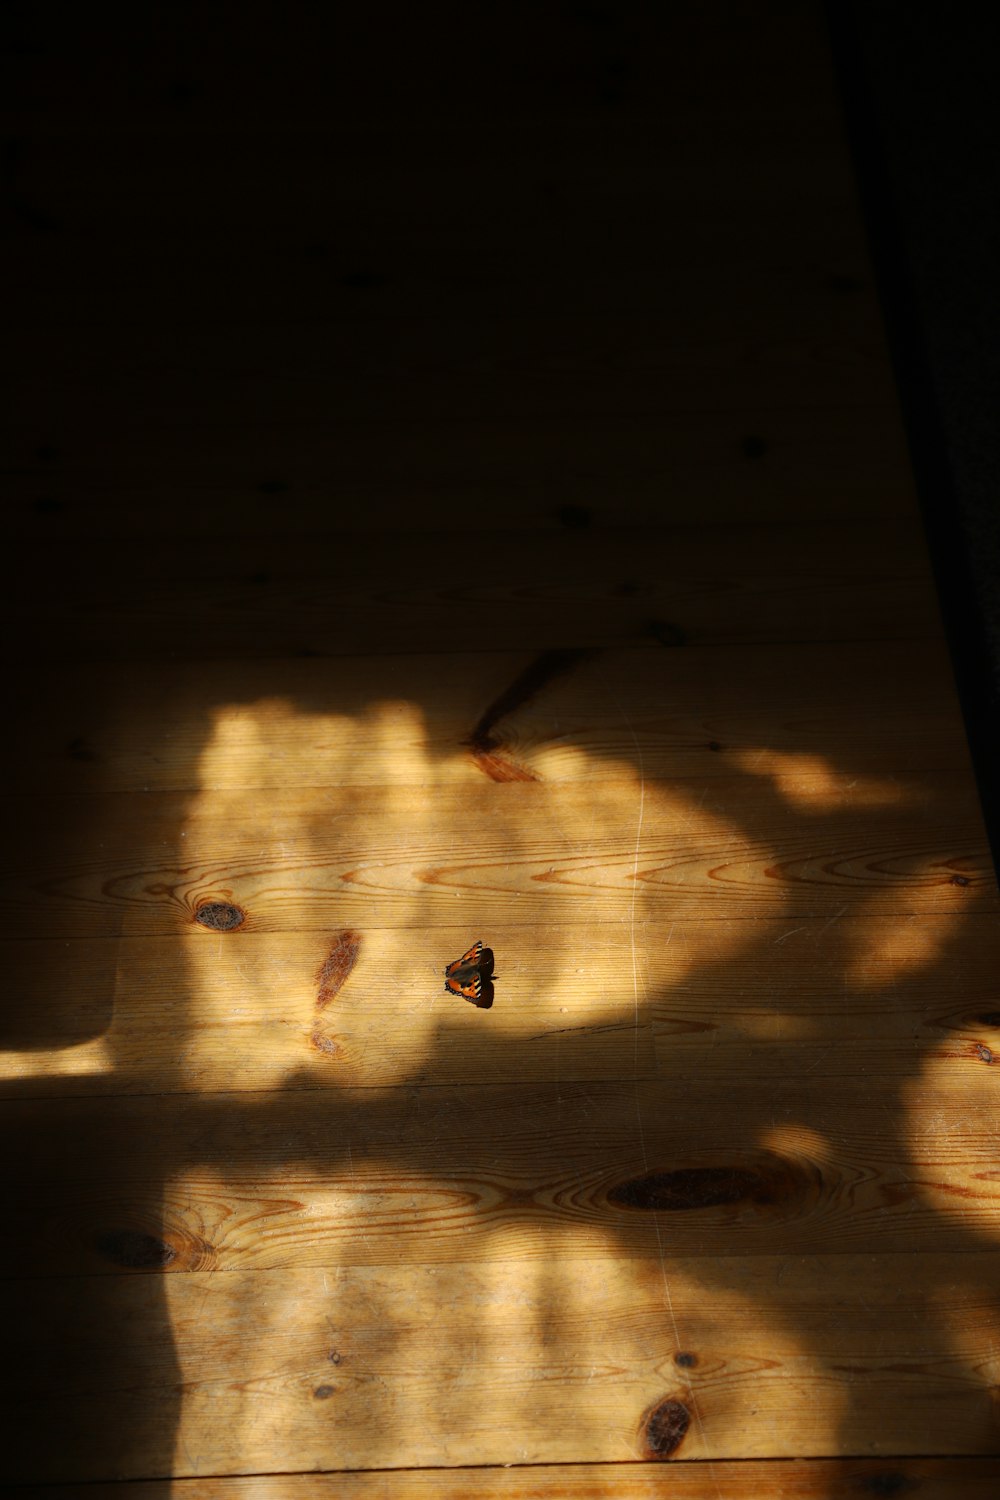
(471, 976)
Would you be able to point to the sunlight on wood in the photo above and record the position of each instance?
(797, 1140)
(890, 951)
(463, 499)
(954, 1161)
(388, 1366)
(808, 782)
(92, 1058)
(548, 990)
(464, 1273)
(272, 742)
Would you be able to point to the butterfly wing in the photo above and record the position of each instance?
(466, 982)
(469, 976)
(469, 960)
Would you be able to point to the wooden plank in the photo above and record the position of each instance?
(372, 474)
(644, 63)
(747, 1018)
(703, 586)
(501, 1364)
(853, 999)
(801, 843)
(171, 172)
(817, 349)
(718, 1001)
(738, 377)
(175, 727)
(763, 1479)
(48, 506)
(796, 316)
(309, 282)
(426, 1176)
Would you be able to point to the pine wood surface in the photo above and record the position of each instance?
(404, 856)
(326, 1177)
(140, 727)
(783, 1479)
(337, 595)
(757, 465)
(476, 508)
(749, 998)
(616, 361)
(437, 1352)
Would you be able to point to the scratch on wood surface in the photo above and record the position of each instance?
(835, 918)
(667, 1295)
(584, 1030)
(635, 887)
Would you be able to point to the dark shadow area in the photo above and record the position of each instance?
(920, 110)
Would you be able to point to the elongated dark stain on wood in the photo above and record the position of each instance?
(337, 966)
(488, 748)
(664, 1427)
(220, 916)
(498, 767)
(134, 1250)
(689, 1188)
(333, 975)
(686, 1189)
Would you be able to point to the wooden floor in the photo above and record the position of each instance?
(478, 509)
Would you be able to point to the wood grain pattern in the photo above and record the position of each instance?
(514, 1362)
(348, 386)
(334, 1176)
(722, 1002)
(784, 1479)
(167, 727)
(404, 856)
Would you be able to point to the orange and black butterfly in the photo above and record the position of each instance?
(471, 976)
